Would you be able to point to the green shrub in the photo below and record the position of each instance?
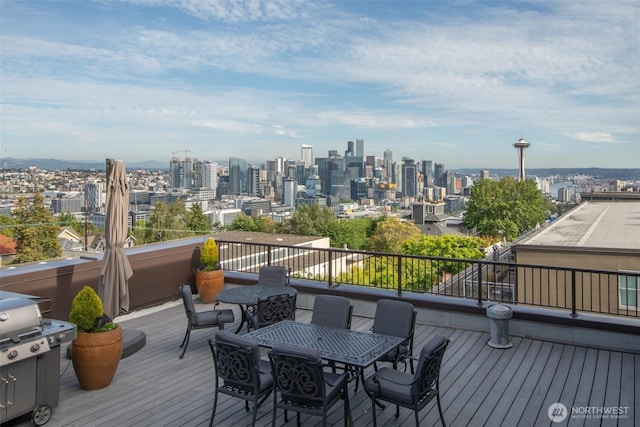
(209, 255)
(87, 312)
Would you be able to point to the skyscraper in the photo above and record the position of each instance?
(210, 175)
(387, 163)
(409, 178)
(237, 176)
(359, 148)
(306, 154)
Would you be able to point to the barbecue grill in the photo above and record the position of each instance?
(29, 359)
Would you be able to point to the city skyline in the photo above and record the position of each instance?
(458, 82)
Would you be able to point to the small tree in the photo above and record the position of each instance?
(36, 231)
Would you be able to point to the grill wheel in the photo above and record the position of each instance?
(41, 415)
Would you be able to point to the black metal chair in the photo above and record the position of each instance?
(245, 375)
(304, 386)
(332, 310)
(412, 391)
(201, 319)
(396, 318)
(335, 311)
(273, 275)
(272, 310)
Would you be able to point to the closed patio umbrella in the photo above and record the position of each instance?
(116, 270)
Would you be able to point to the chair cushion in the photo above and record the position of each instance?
(393, 318)
(391, 385)
(244, 342)
(210, 317)
(331, 310)
(309, 353)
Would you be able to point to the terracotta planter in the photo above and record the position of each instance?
(209, 283)
(95, 357)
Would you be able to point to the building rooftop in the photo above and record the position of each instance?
(594, 225)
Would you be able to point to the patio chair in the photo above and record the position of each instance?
(396, 318)
(245, 375)
(304, 386)
(201, 319)
(272, 310)
(332, 310)
(407, 390)
(273, 275)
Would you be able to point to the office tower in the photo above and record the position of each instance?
(409, 178)
(427, 173)
(484, 174)
(438, 175)
(237, 176)
(210, 175)
(359, 148)
(306, 154)
(351, 151)
(280, 162)
(521, 146)
(92, 197)
(449, 182)
(289, 192)
(387, 164)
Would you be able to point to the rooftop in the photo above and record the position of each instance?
(594, 225)
(480, 385)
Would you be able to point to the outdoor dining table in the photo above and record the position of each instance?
(353, 348)
(247, 296)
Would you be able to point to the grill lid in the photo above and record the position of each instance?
(19, 318)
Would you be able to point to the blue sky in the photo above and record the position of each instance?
(456, 82)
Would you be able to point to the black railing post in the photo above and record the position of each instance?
(480, 271)
(268, 254)
(574, 311)
(330, 281)
(399, 275)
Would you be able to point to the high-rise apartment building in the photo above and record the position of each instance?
(484, 174)
(92, 197)
(427, 173)
(253, 181)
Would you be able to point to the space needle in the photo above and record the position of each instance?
(521, 146)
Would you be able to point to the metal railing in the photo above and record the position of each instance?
(572, 289)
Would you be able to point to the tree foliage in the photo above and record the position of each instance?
(506, 208)
(197, 221)
(166, 222)
(7, 225)
(311, 220)
(36, 231)
(262, 224)
(390, 235)
(350, 233)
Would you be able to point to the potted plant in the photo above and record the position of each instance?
(97, 349)
(209, 276)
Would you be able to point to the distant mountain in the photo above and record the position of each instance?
(56, 164)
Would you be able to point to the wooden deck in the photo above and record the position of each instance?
(480, 385)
